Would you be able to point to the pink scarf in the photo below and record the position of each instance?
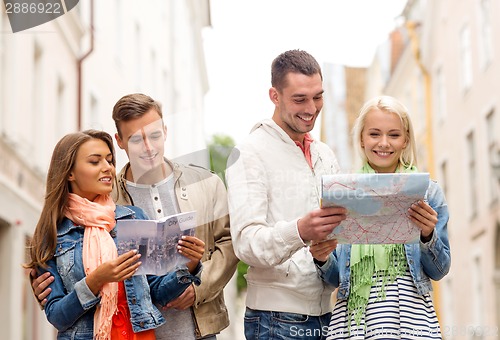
(98, 218)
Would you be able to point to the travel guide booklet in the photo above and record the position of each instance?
(156, 241)
(377, 206)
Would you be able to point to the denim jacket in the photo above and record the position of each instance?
(426, 261)
(71, 304)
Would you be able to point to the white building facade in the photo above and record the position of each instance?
(66, 75)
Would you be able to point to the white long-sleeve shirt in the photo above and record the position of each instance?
(271, 186)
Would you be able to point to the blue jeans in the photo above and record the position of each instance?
(264, 325)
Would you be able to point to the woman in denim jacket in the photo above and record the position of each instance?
(95, 294)
(384, 290)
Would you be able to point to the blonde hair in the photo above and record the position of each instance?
(390, 104)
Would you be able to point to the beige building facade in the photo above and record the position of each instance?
(448, 74)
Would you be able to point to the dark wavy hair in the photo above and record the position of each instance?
(44, 240)
(295, 61)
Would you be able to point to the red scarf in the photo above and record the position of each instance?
(306, 148)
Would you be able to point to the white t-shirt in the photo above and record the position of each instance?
(158, 200)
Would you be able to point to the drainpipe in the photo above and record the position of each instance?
(79, 68)
(415, 46)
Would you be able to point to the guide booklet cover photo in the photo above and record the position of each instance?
(156, 241)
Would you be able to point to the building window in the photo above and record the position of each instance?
(94, 113)
(138, 55)
(29, 316)
(493, 152)
(154, 71)
(118, 29)
(440, 88)
(37, 107)
(444, 178)
(477, 300)
(497, 271)
(3, 79)
(485, 37)
(61, 114)
(420, 100)
(466, 58)
(448, 304)
(471, 160)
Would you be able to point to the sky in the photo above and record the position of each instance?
(246, 35)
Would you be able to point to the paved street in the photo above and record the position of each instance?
(236, 307)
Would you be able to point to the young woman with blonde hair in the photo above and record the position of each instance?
(384, 290)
